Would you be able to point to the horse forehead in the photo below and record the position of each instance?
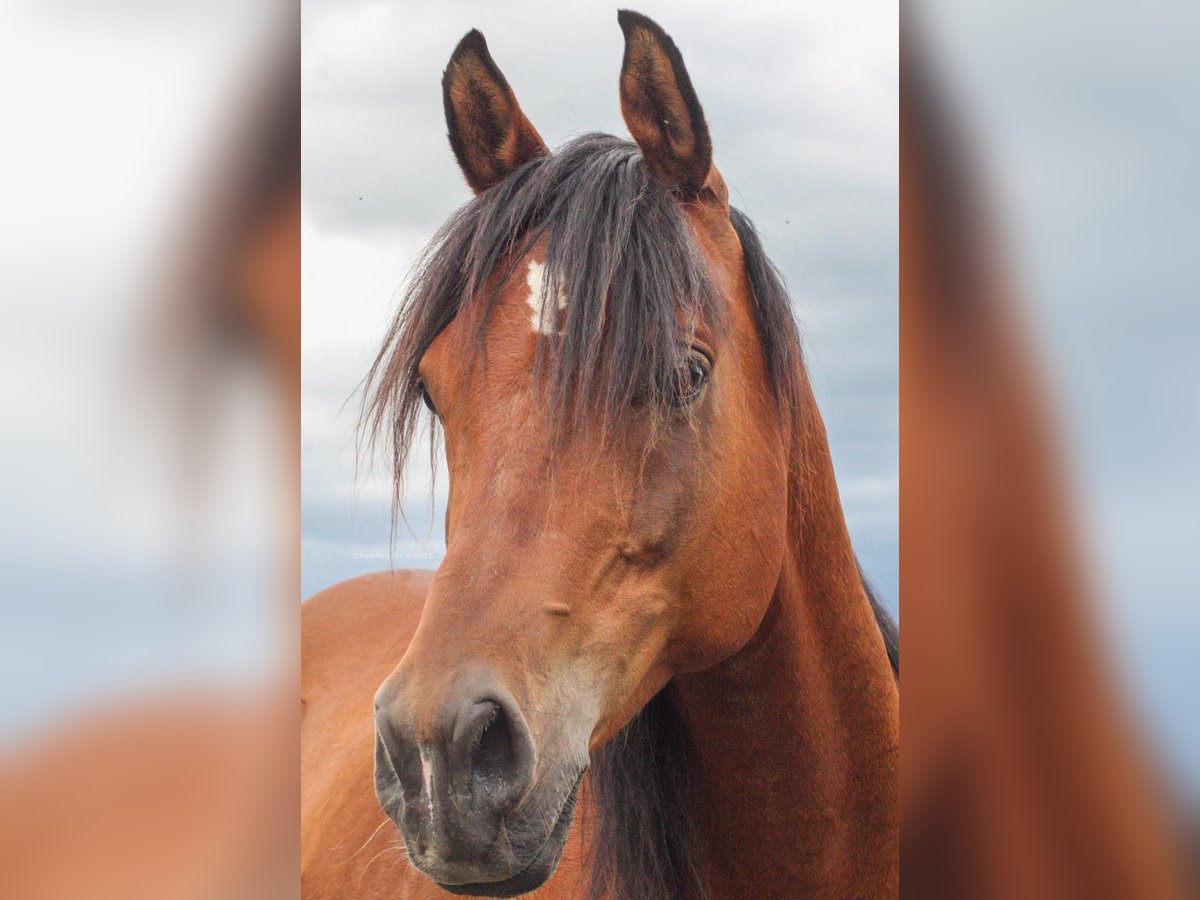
(510, 339)
(528, 309)
(509, 334)
(525, 293)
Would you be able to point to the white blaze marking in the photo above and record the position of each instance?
(427, 776)
(546, 324)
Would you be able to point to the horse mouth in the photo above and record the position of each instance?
(538, 870)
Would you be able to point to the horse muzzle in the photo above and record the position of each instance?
(463, 786)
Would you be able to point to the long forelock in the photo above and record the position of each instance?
(633, 284)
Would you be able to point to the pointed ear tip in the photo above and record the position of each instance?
(472, 42)
(629, 20)
(471, 47)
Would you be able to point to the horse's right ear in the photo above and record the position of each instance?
(488, 132)
(661, 108)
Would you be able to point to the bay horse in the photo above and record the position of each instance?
(649, 619)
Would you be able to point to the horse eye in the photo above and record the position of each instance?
(693, 376)
(429, 404)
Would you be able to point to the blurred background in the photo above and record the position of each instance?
(1076, 121)
(1048, 439)
(1045, 206)
(119, 164)
(1078, 124)
(149, 276)
(801, 103)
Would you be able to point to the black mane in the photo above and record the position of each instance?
(619, 244)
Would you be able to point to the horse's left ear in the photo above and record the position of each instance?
(662, 111)
(489, 133)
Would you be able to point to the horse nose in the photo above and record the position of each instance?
(461, 773)
(493, 745)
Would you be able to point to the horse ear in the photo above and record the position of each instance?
(488, 132)
(661, 108)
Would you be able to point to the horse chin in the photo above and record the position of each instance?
(537, 871)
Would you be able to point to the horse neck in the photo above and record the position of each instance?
(796, 737)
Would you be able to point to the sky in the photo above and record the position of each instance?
(801, 102)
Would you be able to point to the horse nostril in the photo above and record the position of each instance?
(493, 759)
(496, 752)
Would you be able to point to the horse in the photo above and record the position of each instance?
(649, 619)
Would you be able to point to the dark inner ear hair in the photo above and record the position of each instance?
(661, 108)
(488, 132)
